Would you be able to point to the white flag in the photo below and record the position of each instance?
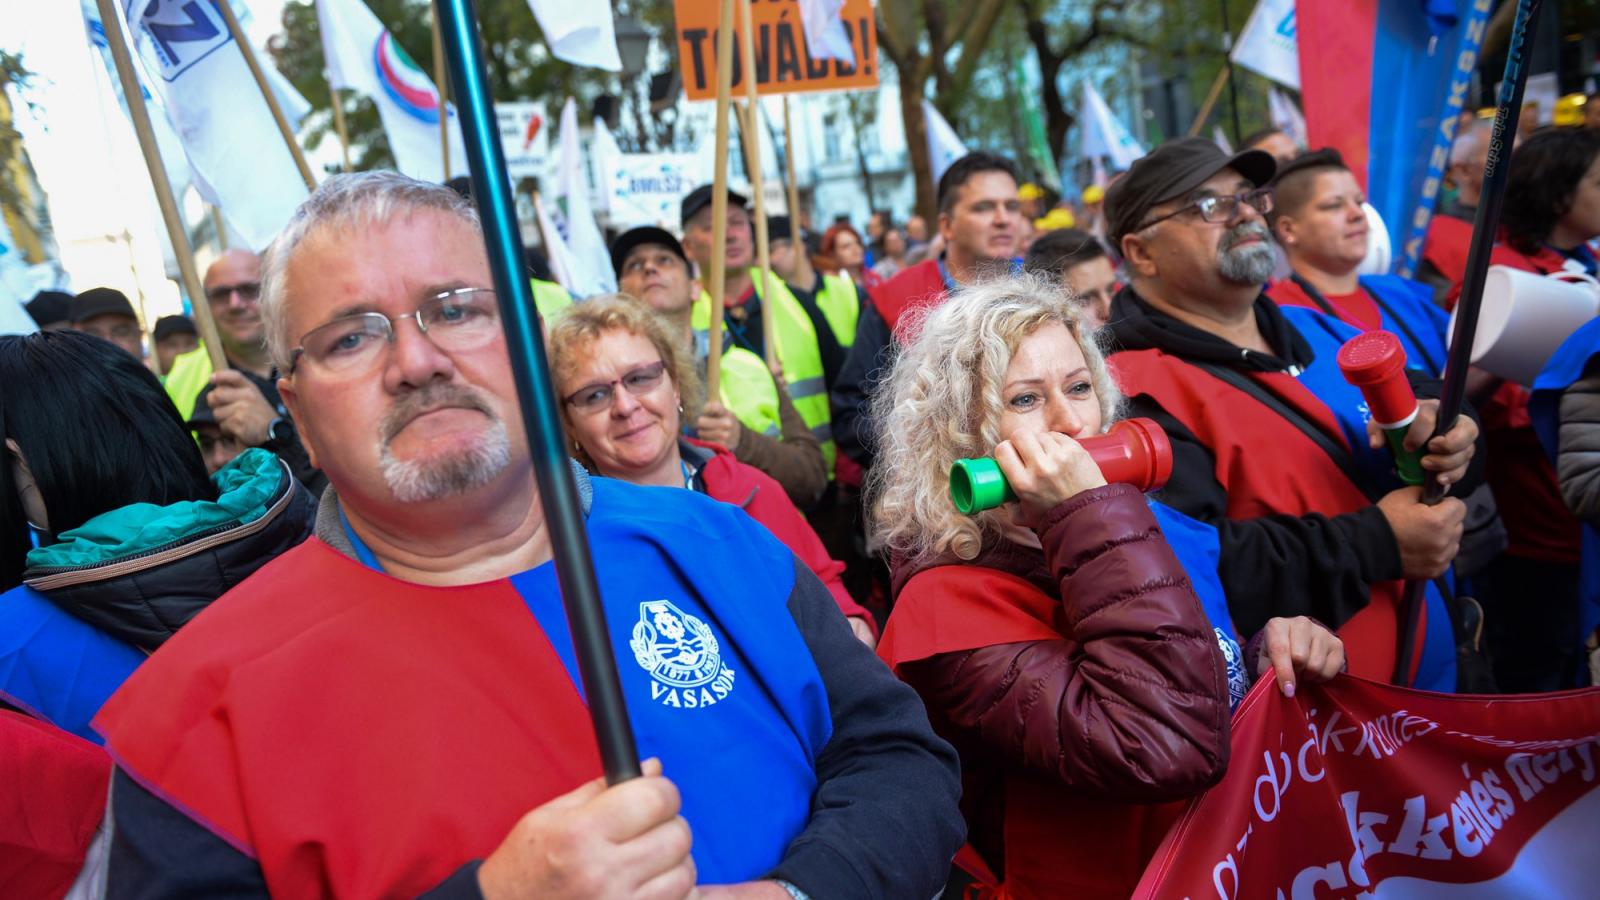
(1286, 117)
(555, 249)
(824, 29)
(1220, 138)
(1103, 134)
(944, 146)
(214, 106)
(574, 216)
(363, 57)
(580, 32)
(1267, 44)
(167, 143)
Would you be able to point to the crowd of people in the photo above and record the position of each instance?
(291, 627)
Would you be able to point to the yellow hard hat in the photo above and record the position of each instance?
(1094, 193)
(1569, 110)
(1055, 219)
(1030, 191)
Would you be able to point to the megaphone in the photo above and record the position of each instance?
(1134, 451)
(1526, 317)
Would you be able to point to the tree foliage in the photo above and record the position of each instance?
(12, 73)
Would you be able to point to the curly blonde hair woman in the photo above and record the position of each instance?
(1069, 643)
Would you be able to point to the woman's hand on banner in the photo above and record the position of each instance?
(1302, 647)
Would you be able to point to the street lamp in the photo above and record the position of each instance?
(633, 45)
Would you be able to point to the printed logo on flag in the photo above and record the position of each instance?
(182, 33)
(681, 655)
(403, 82)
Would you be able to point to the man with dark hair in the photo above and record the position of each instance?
(173, 337)
(51, 310)
(1079, 262)
(1269, 442)
(1318, 221)
(980, 220)
(106, 313)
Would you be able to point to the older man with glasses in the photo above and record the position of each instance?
(1269, 442)
(392, 709)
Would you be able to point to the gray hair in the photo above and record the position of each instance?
(941, 402)
(353, 201)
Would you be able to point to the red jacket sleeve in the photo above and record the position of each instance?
(1131, 702)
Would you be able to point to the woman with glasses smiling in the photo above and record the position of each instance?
(624, 387)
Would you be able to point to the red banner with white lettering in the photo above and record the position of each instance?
(1353, 784)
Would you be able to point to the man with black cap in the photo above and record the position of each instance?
(754, 416)
(808, 350)
(835, 295)
(1270, 444)
(106, 313)
(50, 310)
(173, 337)
(217, 448)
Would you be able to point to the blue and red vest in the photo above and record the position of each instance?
(1566, 367)
(359, 735)
(1268, 466)
(1400, 306)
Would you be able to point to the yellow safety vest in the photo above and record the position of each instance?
(749, 392)
(549, 298)
(190, 374)
(840, 303)
(798, 356)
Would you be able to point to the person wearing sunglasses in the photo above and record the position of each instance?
(1270, 444)
(393, 708)
(624, 387)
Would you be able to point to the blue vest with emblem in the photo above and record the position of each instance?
(718, 680)
(1199, 550)
(1437, 668)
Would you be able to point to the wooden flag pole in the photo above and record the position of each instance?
(792, 178)
(1211, 100)
(221, 228)
(254, 65)
(110, 17)
(439, 89)
(752, 155)
(719, 202)
(338, 123)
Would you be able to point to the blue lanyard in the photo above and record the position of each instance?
(363, 552)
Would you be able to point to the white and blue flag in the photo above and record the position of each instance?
(198, 74)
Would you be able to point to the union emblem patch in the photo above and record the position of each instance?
(681, 654)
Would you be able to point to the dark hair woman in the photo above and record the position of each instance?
(1553, 198)
(1552, 211)
(111, 535)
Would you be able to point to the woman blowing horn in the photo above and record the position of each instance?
(1068, 643)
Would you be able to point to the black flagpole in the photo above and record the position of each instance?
(1485, 226)
(558, 493)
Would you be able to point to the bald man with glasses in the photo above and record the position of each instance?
(244, 397)
(1269, 442)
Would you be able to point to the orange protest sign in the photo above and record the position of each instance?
(782, 63)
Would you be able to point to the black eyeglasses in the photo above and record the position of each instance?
(249, 290)
(591, 398)
(1222, 209)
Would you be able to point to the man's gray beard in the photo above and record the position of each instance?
(1246, 265)
(418, 481)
